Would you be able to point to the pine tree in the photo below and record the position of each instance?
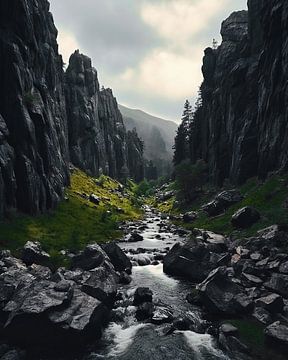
(181, 145)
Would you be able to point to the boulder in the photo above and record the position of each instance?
(32, 253)
(276, 334)
(135, 237)
(102, 284)
(124, 278)
(145, 311)
(94, 199)
(245, 217)
(189, 217)
(279, 284)
(220, 295)
(142, 295)
(162, 315)
(272, 303)
(222, 201)
(90, 258)
(262, 315)
(228, 329)
(190, 260)
(118, 258)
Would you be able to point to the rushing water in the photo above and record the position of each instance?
(126, 338)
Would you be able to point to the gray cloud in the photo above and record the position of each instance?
(124, 48)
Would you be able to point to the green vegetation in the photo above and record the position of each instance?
(250, 332)
(76, 221)
(267, 197)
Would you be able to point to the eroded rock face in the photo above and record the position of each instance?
(37, 138)
(34, 161)
(98, 140)
(241, 130)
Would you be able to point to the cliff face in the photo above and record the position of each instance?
(37, 138)
(241, 129)
(97, 136)
(33, 128)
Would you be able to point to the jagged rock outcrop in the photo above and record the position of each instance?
(97, 137)
(241, 128)
(33, 128)
(37, 139)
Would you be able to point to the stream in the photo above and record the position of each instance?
(125, 338)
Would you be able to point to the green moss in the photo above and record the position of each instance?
(267, 198)
(250, 332)
(76, 221)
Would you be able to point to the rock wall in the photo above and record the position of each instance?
(33, 127)
(37, 138)
(241, 128)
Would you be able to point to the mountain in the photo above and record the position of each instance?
(158, 134)
(241, 129)
(49, 118)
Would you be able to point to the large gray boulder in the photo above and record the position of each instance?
(245, 217)
(221, 296)
(222, 201)
(90, 258)
(32, 253)
(118, 258)
(276, 334)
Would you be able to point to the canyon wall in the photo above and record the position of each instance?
(241, 129)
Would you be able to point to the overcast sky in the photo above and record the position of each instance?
(148, 51)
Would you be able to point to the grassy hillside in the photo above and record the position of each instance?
(268, 197)
(76, 221)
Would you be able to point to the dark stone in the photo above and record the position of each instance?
(228, 329)
(33, 253)
(194, 298)
(94, 199)
(220, 295)
(142, 295)
(222, 201)
(262, 315)
(161, 316)
(135, 237)
(189, 217)
(245, 217)
(145, 311)
(124, 278)
(90, 258)
(276, 334)
(118, 258)
(272, 302)
(279, 284)
(190, 260)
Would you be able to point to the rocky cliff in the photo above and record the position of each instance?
(48, 118)
(241, 128)
(33, 124)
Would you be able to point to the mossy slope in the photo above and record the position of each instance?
(76, 221)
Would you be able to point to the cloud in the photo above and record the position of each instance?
(180, 20)
(148, 51)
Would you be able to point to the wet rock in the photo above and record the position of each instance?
(124, 278)
(220, 295)
(90, 258)
(142, 295)
(183, 324)
(102, 284)
(14, 355)
(190, 260)
(194, 298)
(33, 253)
(245, 217)
(262, 315)
(161, 316)
(135, 237)
(272, 303)
(276, 334)
(145, 311)
(118, 258)
(228, 329)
